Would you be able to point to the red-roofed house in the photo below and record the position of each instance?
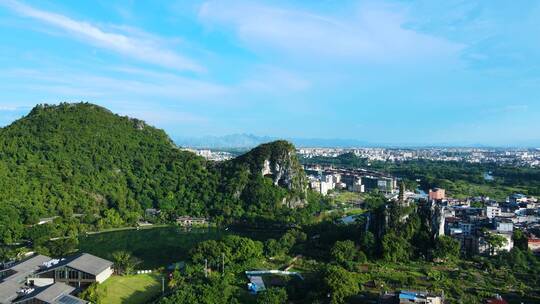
(534, 245)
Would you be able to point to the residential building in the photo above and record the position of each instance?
(437, 194)
(493, 211)
(481, 246)
(325, 186)
(534, 245)
(188, 221)
(503, 224)
(358, 187)
(152, 212)
(418, 297)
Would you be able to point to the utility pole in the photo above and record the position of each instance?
(222, 264)
(162, 285)
(205, 268)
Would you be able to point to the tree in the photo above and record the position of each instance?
(340, 284)
(124, 262)
(344, 252)
(293, 236)
(176, 280)
(494, 241)
(272, 296)
(446, 248)
(401, 196)
(273, 248)
(213, 290)
(520, 240)
(11, 227)
(374, 201)
(395, 248)
(63, 247)
(39, 235)
(243, 250)
(186, 295)
(367, 243)
(94, 294)
(212, 252)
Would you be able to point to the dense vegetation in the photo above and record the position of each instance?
(460, 179)
(92, 169)
(349, 264)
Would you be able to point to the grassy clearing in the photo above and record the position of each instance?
(354, 211)
(346, 197)
(133, 289)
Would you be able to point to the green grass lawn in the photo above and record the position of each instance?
(133, 289)
(354, 211)
(346, 197)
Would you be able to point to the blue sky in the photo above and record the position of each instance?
(463, 72)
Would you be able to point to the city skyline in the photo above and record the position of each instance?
(394, 72)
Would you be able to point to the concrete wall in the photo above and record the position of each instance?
(104, 275)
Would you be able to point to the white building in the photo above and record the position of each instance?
(493, 211)
(503, 225)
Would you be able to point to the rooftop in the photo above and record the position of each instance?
(17, 273)
(57, 293)
(84, 262)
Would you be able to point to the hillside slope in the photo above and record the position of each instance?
(106, 169)
(82, 158)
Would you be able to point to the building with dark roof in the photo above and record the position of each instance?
(80, 270)
(15, 276)
(42, 280)
(57, 293)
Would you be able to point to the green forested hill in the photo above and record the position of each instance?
(97, 169)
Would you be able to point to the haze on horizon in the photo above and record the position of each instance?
(415, 72)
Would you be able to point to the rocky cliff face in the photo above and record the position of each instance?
(277, 160)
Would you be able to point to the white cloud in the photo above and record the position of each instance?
(373, 33)
(128, 44)
(130, 82)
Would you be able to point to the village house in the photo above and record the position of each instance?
(418, 297)
(534, 245)
(188, 221)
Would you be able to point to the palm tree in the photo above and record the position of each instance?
(124, 262)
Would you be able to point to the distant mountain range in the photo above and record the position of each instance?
(247, 141)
